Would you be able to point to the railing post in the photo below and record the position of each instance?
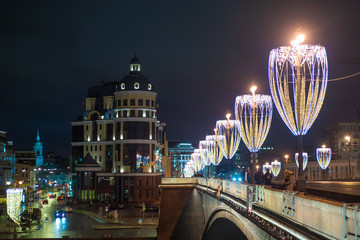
(355, 220)
(344, 220)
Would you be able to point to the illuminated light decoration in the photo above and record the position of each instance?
(122, 86)
(305, 160)
(136, 85)
(298, 76)
(202, 153)
(253, 114)
(266, 167)
(229, 129)
(204, 144)
(14, 198)
(275, 168)
(149, 86)
(323, 156)
(198, 164)
(215, 149)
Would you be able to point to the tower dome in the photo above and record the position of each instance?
(135, 81)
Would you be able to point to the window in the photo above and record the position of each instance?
(87, 148)
(87, 127)
(132, 102)
(119, 102)
(100, 126)
(140, 102)
(100, 148)
(100, 137)
(99, 158)
(147, 102)
(132, 113)
(140, 113)
(125, 102)
(95, 147)
(147, 114)
(152, 103)
(90, 148)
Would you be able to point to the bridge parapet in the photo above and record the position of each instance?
(327, 217)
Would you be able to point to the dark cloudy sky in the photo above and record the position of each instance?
(199, 55)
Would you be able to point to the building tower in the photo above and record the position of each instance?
(38, 148)
(119, 127)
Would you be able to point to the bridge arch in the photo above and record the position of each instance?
(223, 222)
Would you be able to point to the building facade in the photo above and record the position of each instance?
(7, 163)
(119, 128)
(180, 154)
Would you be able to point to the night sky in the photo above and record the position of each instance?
(199, 55)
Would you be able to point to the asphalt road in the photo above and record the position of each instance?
(350, 188)
(75, 225)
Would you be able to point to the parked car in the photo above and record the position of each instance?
(46, 201)
(60, 198)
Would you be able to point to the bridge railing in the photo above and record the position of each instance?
(332, 218)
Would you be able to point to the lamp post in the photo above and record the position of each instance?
(348, 148)
(286, 160)
(298, 76)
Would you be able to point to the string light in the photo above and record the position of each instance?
(253, 114)
(300, 71)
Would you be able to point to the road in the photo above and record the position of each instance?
(350, 188)
(75, 225)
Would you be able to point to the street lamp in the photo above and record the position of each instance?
(323, 156)
(275, 168)
(215, 149)
(348, 148)
(298, 76)
(254, 114)
(231, 140)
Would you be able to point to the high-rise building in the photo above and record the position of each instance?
(119, 129)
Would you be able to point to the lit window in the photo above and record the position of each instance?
(122, 86)
(149, 86)
(136, 85)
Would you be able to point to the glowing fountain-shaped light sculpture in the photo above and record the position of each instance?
(305, 160)
(231, 140)
(201, 155)
(254, 114)
(215, 149)
(323, 156)
(275, 168)
(298, 77)
(204, 144)
(266, 167)
(195, 159)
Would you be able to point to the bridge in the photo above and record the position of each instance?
(203, 208)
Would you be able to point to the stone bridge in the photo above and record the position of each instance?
(192, 208)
